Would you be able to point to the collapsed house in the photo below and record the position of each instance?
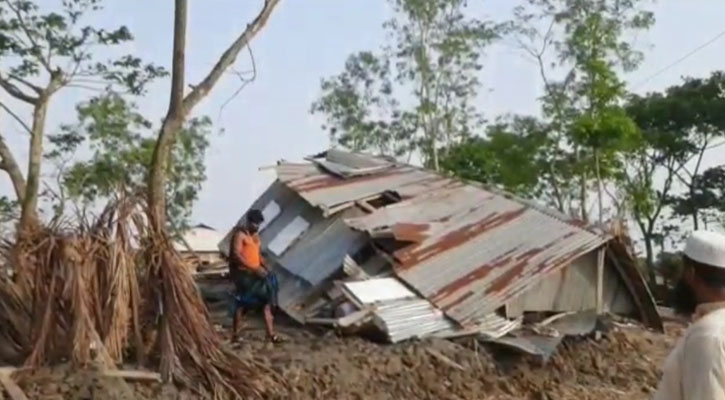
(356, 239)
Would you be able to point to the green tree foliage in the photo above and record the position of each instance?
(121, 142)
(590, 40)
(650, 175)
(663, 175)
(513, 154)
(588, 135)
(417, 94)
(694, 110)
(48, 48)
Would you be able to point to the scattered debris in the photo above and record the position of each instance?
(445, 359)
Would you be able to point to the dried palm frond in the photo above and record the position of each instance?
(106, 284)
(191, 351)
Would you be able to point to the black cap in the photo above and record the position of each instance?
(255, 216)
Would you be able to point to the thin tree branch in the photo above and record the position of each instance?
(10, 165)
(85, 87)
(27, 32)
(244, 82)
(16, 92)
(229, 56)
(16, 117)
(37, 89)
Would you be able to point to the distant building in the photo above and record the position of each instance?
(199, 247)
(353, 236)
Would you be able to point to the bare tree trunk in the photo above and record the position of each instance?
(28, 214)
(180, 106)
(173, 121)
(9, 165)
(583, 199)
(600, 201)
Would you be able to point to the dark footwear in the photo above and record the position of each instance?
(274, 339)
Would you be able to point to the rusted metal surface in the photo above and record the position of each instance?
(325, 190)
(473, 250)
(469, 248)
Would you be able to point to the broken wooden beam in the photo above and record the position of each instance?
(133, 375)
(445, 360)
(12, 388)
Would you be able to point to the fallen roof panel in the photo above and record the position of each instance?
(472, 250)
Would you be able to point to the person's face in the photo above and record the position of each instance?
(253, 227)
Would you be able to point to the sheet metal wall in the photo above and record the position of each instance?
(574, 288)
(314, 256)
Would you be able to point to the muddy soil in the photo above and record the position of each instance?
(624, 364)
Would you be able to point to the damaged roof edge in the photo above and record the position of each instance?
(625, 263)
(428, 190)
(392, 163)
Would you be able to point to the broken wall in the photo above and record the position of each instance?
(574, 288)
(300, 245)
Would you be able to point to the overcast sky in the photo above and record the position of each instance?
(310, 39)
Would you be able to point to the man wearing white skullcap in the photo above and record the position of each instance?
(695, 370)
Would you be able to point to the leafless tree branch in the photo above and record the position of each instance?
(16, 117)
(229, 56)
(15, 91)
(244, 81)
(37, 89)
(9, 165)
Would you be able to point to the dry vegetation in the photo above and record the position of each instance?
(111, 292)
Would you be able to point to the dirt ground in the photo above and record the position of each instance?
(624, 364)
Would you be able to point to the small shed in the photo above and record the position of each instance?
(199, 248)
(461, 256)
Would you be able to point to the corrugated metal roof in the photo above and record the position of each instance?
(471, 248)
(406, 319)
(348, 165)
(403, 315)
(327, 191)
(418, 318)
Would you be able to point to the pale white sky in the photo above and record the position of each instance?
(310, 39)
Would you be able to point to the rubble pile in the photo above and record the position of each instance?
(624, 364)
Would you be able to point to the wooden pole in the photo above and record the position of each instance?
(600, 280)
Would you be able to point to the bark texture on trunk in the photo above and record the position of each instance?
(10, 165)
(173, 121)
(30, 202)
(180, 106)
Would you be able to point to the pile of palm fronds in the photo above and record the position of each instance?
(111, 292)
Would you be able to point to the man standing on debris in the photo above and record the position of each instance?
(695, 370)
(255, 285)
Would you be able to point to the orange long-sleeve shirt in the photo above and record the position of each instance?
(248, 249)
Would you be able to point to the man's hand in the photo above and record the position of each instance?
(261, 272)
